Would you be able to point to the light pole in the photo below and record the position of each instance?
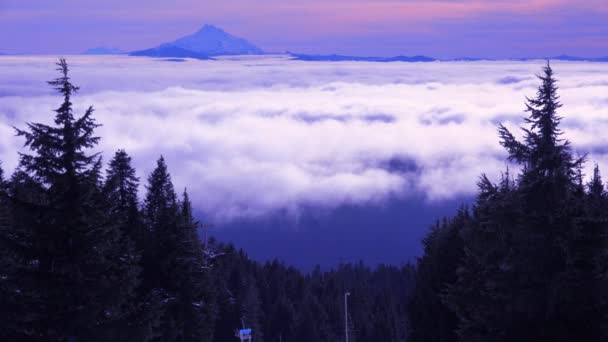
(346, 315)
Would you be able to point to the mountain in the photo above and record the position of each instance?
(567, 58)
(579, 59)
(103, 51)
(208, 41)
(467, 59)
(342, 58)
(170, 51)
(214, 41)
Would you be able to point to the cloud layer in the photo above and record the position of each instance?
(249, 136)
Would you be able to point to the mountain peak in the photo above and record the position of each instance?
(210, 28)
(209, 40)
(212, 40)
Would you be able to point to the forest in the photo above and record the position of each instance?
(85, 257)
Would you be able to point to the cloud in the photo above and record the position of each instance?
(249, 136)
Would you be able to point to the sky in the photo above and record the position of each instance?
(437, 28)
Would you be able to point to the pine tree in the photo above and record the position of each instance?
(481, 296)
(74, 270)
(176, 262)
(195, 292)
(431, 319)
(143, 310)
(160, 205)
(160, 214)
(583, 284)
(9, 323)
(520, 273)
(121, 189)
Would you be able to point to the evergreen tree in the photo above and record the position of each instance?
(583, 284)
(175, 262)
(143, 311)
(522, 265)
(196, 298)
(73, 269)
(121, 189)
(481, 295)
(9, 326)
(431, 319)
(160, 216)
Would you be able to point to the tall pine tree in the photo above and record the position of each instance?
(10, 326)
(160, 215)
(196, 297)
(524, 249)
(73, 268)
(121, 189)
(175, 262)
(143, 310)
(430, 318)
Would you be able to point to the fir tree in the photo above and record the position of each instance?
(160, 214)
(431, 319)
(195, 291)
(9, 328)
(143, 311)
(160, 205)
(583, 284)
(73, 268)
(176, 262)
(523, 250)
(121, 189)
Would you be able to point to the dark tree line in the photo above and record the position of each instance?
(83, 259)
(282, 304)
(528, 262)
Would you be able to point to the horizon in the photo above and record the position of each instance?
(438, 29)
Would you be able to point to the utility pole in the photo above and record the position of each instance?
(346, 315)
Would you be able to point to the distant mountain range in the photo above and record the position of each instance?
(573, 59)
(103, 51)
(342, 58)
(206, 42)
(555, 58)
(212, 41)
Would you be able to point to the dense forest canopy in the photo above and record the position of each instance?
(84, 257)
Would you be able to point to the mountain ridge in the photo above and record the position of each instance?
(102, 50)
(345, 58)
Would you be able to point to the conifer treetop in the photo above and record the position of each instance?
(59, 150)
(542, 149)
(596, 185)
(66, 88)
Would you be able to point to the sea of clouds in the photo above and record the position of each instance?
(251, 135)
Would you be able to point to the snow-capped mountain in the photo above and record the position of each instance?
(208, 41)
(211, 40)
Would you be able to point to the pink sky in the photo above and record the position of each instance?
(448, 28)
